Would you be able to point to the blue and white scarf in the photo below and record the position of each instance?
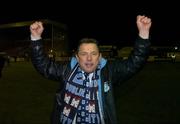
(81, 98)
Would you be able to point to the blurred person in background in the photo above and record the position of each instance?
(2, 63)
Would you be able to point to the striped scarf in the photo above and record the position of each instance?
(80, 99)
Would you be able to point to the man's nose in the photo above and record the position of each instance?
(89, 57)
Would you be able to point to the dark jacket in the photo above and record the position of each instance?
(113, 72)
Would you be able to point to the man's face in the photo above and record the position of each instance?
(88, 57)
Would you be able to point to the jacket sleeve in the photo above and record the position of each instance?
(124, 69)
(45, 66)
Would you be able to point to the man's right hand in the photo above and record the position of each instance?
(36, 30)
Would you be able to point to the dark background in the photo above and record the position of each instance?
(108, 22)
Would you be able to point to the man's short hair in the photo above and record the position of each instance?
(87, 40)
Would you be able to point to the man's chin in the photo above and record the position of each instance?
(88, 70)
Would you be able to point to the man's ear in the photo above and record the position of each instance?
(100, 56)
(77, 57)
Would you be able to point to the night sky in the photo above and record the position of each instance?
(109, 23)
